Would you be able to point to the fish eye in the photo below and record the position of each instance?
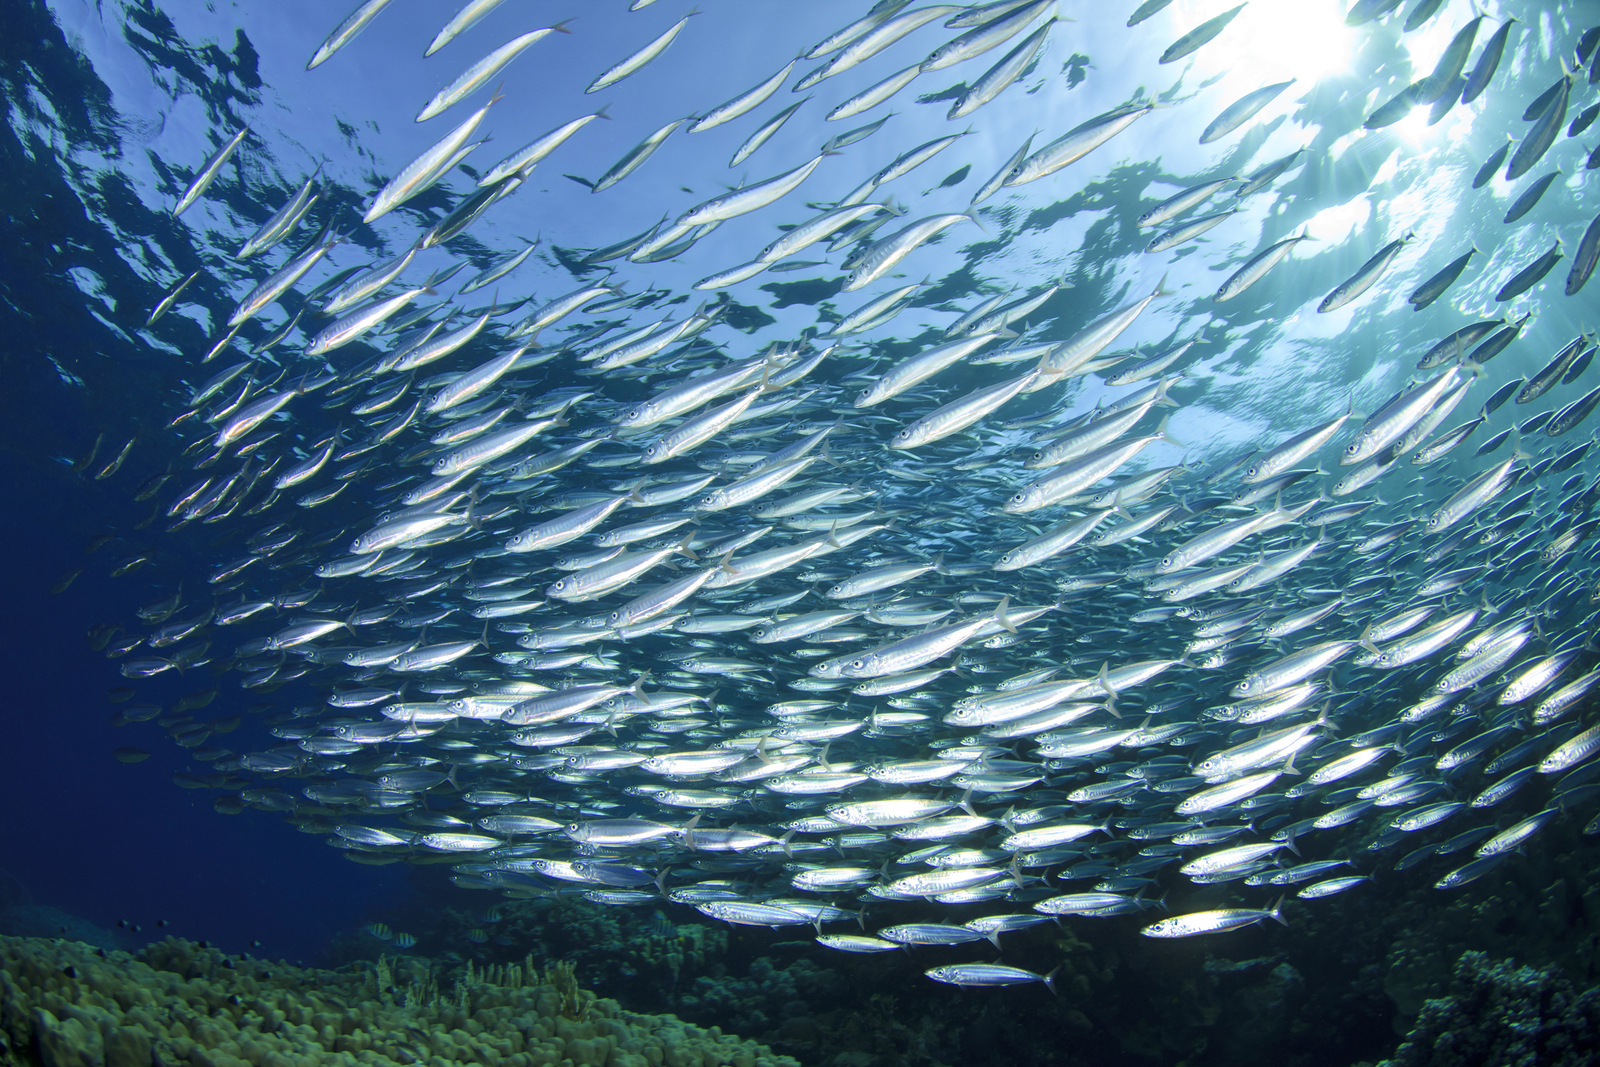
(1251, 473)
(858, 664)
(1244, 686)
(1352, 448)
(1166, 561)
(650, 451)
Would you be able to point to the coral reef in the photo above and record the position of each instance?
(1507, 1016)
(762, 999)
(1543, 909)
(65, 1004)
(632, 953)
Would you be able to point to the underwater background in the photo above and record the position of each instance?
(113, 109)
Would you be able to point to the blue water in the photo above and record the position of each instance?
(113, 106)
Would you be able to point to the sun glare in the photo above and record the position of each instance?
(1416, 129)
(1332, 225)
(1282, 39)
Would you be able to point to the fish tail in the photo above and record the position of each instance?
(1164, 433)
(1001, 617)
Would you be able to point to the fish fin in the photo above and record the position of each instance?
(1050, 979)
(1276, 911)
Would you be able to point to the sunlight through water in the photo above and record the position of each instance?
(1281, 39)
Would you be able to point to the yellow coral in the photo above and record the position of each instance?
(66, 1004)
(563, 975)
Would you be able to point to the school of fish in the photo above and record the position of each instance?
(800, 632)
